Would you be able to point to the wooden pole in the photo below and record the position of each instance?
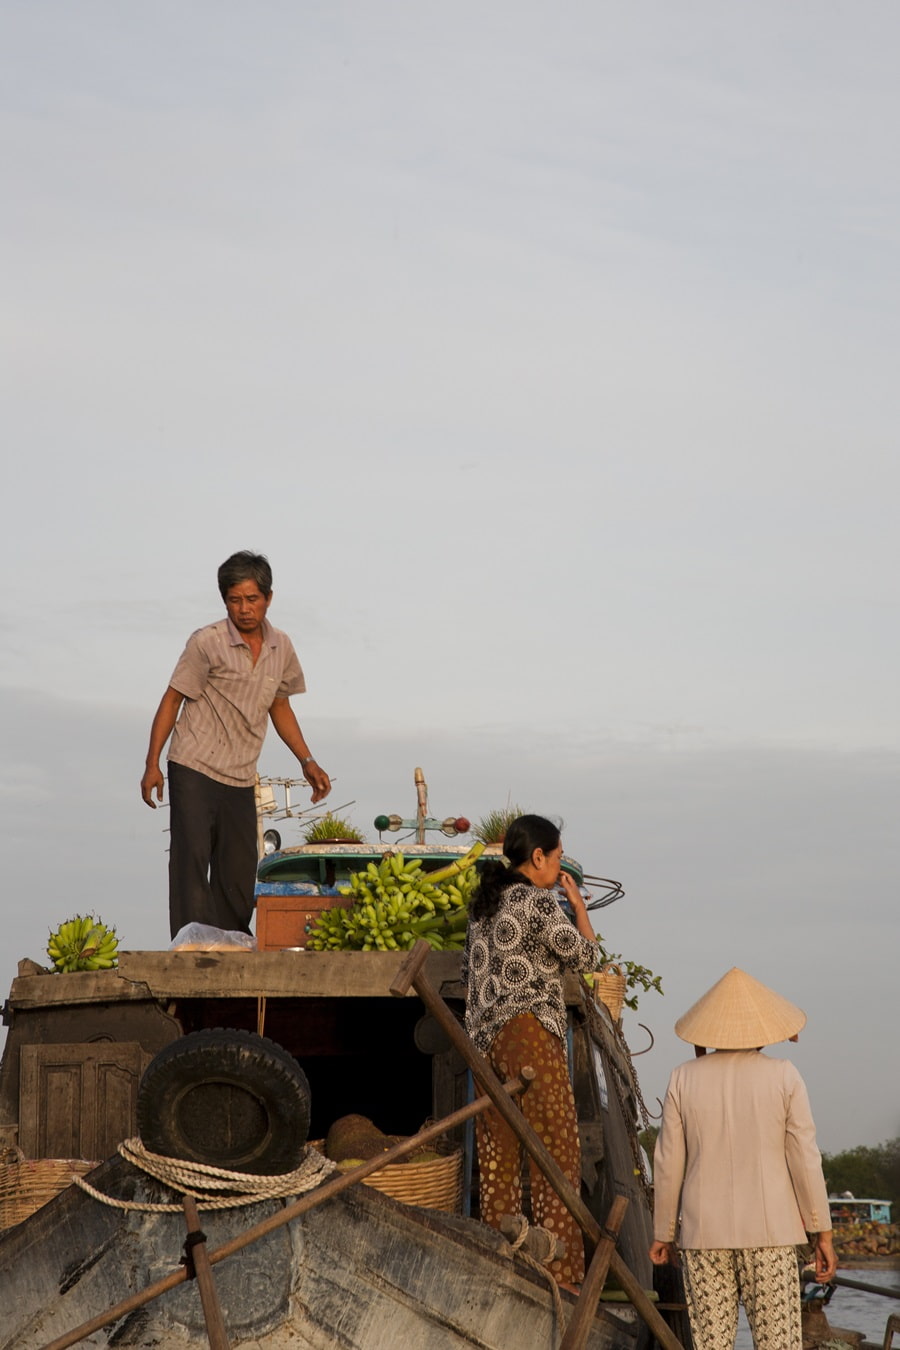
(583, 1313)
(809, 1278)
(412, 975)
(306, 1202)
(199, 1258)
(421, 805)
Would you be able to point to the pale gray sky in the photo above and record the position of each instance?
(549, 352)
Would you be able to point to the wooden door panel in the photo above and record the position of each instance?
(78, 1100)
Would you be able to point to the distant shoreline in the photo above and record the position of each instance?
(870, 1263)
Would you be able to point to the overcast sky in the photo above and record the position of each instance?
(550, 354)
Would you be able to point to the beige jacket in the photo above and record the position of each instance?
(737, 1155)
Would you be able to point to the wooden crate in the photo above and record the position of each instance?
(281, 920)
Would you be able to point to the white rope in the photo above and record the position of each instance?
(542, 1267)
(202, 1181)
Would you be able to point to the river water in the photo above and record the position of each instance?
(851, 1308)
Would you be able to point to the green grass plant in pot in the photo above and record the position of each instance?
(329, 829)
(491, 829)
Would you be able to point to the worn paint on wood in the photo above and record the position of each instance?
(227, 974)
(360, 1272)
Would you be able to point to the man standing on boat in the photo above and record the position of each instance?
(231, 678)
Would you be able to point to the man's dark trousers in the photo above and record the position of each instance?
(213, 851)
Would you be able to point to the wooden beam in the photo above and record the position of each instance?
(583, 1313)
(199, 1259)
(224, 974)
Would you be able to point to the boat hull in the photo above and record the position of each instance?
(361, 1271)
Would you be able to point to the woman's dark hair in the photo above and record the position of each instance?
(245, 566)
(523, 836)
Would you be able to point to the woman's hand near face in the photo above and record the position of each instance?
(570, 886)
(579, 909)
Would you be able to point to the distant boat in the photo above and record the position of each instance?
(846, 1209)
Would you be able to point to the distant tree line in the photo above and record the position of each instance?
(870, 1173)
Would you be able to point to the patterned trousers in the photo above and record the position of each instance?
(549, 1107)
(764, 1279)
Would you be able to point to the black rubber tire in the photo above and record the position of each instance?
(228, 1098)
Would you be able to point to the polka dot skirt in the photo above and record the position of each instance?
(549, 1107)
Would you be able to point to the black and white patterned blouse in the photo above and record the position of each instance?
(514, 963)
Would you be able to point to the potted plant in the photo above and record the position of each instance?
(491, 829)
(329, 829)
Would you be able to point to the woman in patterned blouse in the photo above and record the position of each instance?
(519, 945)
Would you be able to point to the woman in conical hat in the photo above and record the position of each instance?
(737, 1175)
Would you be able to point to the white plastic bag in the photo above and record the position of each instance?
(201, 937)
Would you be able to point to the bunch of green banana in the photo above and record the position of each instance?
(83, 943)
(395, 904)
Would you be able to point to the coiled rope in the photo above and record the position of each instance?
(552, 1242)
(203, 1182)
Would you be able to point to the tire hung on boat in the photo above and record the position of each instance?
(227, 1098)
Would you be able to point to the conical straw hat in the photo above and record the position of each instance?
(739, 1013)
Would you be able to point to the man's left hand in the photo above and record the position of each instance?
(826, 1258)
(318, 780)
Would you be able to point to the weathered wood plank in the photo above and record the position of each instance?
(228, 974)
(83, 986)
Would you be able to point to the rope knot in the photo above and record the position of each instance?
(191, 1241)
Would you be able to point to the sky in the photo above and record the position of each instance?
(549, 353)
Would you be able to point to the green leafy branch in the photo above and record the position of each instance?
(637, 977)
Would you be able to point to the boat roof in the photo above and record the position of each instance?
(308, 858)
(858, 1200)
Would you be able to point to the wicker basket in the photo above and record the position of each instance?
(609, 988)
(432, 1185)
(28, 1183)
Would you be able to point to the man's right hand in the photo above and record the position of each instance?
(664, 1253)
(152, 781)
(163, 722)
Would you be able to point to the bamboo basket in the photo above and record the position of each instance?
(431, 1185)
(28, 1183)
(609, 988)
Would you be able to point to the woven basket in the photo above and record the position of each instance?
(431, 1185)
(609, 988)
(28, 1183)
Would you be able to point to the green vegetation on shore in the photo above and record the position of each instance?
(870, 1173)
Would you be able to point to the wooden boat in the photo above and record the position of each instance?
(361, 1270)
(85, 1038)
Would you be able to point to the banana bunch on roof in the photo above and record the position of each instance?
(83, 943)
(392, 905)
